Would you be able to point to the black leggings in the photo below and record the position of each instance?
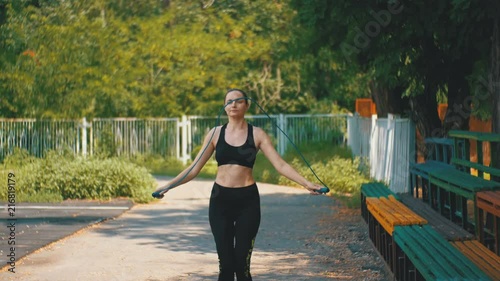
(234, 215)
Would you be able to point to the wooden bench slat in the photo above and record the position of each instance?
(420, 258)
(390, 212)
(451, 252)
(433, 256)
(481, 256)
(446, 228)
(395, 211)
(464, 192)
(441, 141)
(431, 165)
(376, 189)
(491, 137)
(477, 166)
(489, 200)
(465, 180)
(488, 206)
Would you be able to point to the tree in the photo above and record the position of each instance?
(494, 87)
(413, 53)
(144, 58)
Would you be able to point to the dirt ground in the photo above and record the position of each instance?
(349, 249)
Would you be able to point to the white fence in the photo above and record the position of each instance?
(388, 144)
(173, 137)
(38, 136)
(300, 128)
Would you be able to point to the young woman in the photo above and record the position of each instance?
(234, 210)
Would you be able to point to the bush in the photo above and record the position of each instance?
(58, 177)
(157, 164)
(341, 175)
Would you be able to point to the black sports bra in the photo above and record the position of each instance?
(243, 155)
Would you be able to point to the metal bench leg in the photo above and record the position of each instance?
(480, 225)
(465, 213)
(453, 206)
(413, 184)
(496, 225)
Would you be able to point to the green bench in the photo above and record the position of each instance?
(461, 158)
(444, 181)
(452, 192)
(373, 189)
(439, 152)
(422, 254)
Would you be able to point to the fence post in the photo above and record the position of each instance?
(85, 125)
(352, 129)
(281, 137)
(184, 140)
(389, 152)
(189, 139)
(177, 140)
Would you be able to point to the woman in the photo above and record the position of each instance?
(234, 210)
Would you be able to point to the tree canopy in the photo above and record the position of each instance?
(151, 58)
(411, 55)
(145, 58)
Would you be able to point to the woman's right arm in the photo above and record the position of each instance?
(194, 169)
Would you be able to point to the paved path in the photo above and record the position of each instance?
(171, 240)
(35, 225)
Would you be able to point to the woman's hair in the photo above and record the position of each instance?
(237, 90)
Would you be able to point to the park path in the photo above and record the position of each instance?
(171, 240)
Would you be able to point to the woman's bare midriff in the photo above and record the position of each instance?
(234, 176)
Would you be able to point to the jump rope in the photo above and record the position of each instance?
(323, 190)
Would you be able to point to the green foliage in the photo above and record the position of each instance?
(341, 175)
(144, 58)
(157, 164)
(333, 164)
(412, 47)
(58, 177)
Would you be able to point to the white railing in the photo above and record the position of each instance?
(131, 136)
(388, 144)
(358, 135)
(300, 128)
(173, 137)
(39, 136)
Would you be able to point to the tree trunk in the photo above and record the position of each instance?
(494, 88)
(459, 98)
(388, 101)
(425, 113)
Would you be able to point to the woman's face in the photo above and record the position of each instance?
(235, 107)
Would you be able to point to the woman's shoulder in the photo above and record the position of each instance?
(217, 128)
(258, 131)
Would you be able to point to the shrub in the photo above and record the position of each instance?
(341, 175)
(58, 177)
(157, 164)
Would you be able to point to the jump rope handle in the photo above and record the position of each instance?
(157, 194)
(323, 190)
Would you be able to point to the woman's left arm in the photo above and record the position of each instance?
(264, 143)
